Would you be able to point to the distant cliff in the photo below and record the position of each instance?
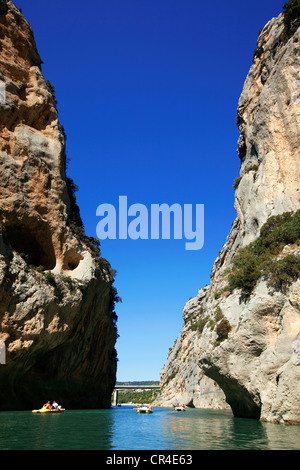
(240, 344)
(56, 292)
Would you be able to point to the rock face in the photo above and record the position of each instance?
(237, 351)
(56, 293)
(182, 380)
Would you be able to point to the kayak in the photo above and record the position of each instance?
(46, 410)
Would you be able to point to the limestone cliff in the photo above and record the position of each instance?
(56, 293)
(240, 344)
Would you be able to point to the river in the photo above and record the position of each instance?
(122, 428)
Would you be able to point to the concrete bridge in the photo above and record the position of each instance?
(119, 388)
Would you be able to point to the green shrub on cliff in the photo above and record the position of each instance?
(222, 329)
(281, 272)
(291, 19)
(50, 278)
(52, 91)
(236, 182)
(200, 324)
(259, 257)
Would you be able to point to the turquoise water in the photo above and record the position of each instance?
(122, 428)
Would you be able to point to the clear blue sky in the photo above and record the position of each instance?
(147, 92)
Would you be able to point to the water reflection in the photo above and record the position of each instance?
(80, 430)
(219, 430)
(193, 430)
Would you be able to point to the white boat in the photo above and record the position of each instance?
(144, 409)
(179, 408)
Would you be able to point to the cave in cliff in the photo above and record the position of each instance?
(33, 243)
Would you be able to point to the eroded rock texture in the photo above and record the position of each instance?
(56, 294)
(237, 351)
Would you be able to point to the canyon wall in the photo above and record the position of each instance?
(57, 297)
(240, 344)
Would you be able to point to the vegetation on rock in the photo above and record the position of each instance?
(261, 256)
(137, 396)
(291, 19)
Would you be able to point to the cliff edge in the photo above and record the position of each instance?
(57, 297)
(240, 344)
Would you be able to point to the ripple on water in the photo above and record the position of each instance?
(123, 428)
